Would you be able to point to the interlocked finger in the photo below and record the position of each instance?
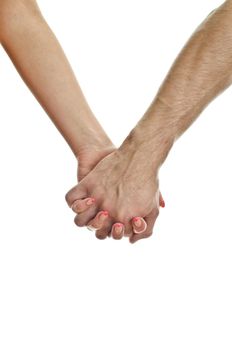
(81, 205)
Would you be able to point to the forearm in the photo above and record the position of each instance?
(40, 60)
(202, 70)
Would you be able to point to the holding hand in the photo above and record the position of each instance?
(115, 197)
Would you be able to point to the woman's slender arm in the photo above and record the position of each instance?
(41, 62)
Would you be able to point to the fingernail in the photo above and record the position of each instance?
(91, 228)
(103, 215)
(90, 201)
(118, 228)
(137, 222)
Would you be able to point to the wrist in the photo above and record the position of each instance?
(94, 145)
(89, 136)
(149, 141)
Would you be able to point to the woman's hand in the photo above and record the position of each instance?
(89, 156)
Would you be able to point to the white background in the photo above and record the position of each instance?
(61, 288)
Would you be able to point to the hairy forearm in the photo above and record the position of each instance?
(202, 70)
(40, 60)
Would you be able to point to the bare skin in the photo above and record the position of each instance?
(88, 206)
(124, 183)
(41, 62)
(119, 173)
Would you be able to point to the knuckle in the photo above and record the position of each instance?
(157, 214)
(100, 236)
(77, 192)
(80, 222)
(67, 198)
(149, 234)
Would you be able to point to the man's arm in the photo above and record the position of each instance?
(202, 70)
(40, 60)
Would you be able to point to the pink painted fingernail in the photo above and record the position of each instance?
(137, 221)
(162, 204)
(103, 215)
(118, 228)
(90, 201)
